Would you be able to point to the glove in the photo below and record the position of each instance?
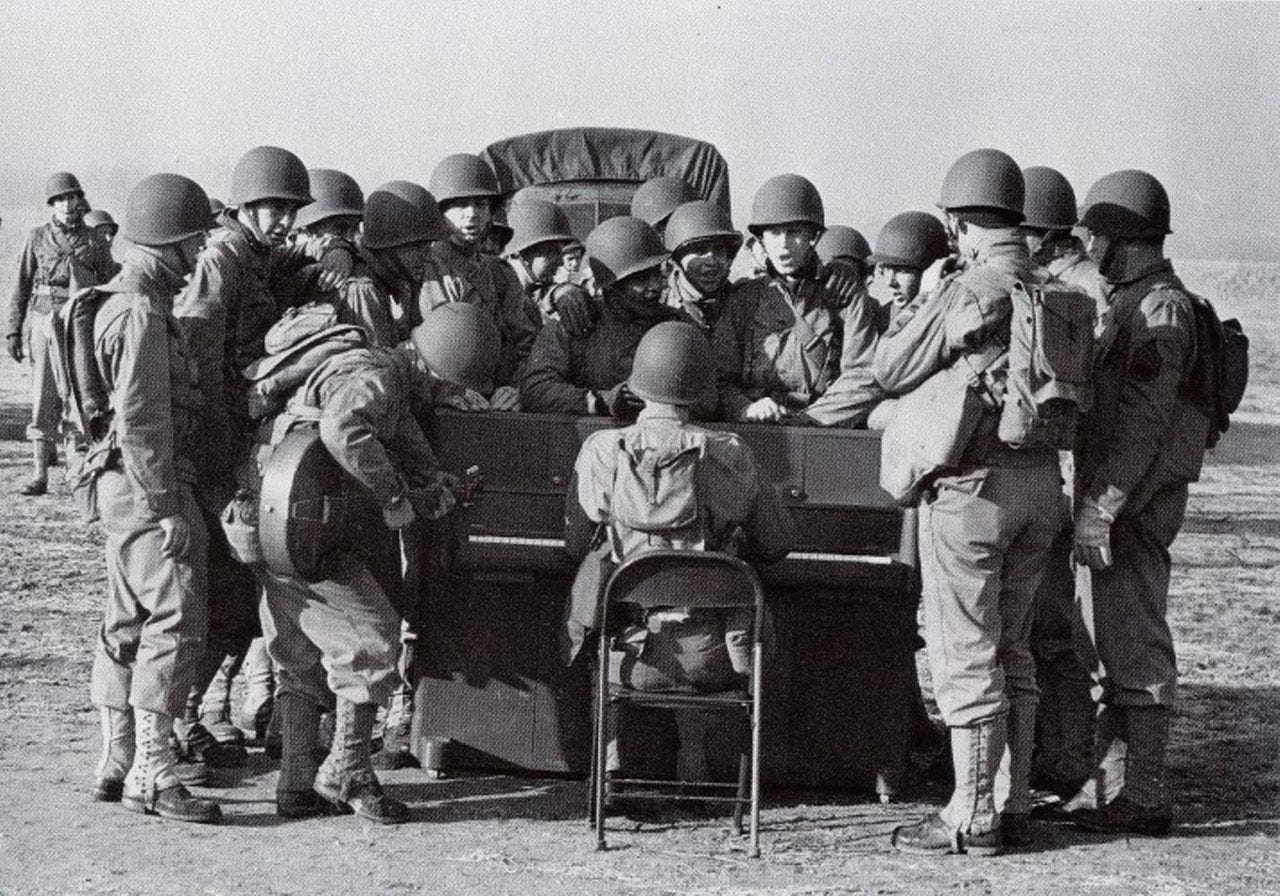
(575, 308)
(843, 283)
(337, 259)
(620, 402)
(1092, 538)
(15, 346)
(465, 400)
(438, 496)
(399, 513)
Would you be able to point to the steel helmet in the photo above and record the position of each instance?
(657, 198)
(1127, 204)
(1050, 202)
(697, 221)
(399, 213)
(460, 343)
(98, 217)
(622, 246)
(164, 209)
(60, 183)
(984, 179)
(672, 364)
(910, 240)
(337, 195)
(460, 176)
(786, 199)
(269, 172)
(537, 221)
(840, 241)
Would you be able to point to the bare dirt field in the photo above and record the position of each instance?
(494, 835)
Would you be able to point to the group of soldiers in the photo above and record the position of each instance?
(1044, 572)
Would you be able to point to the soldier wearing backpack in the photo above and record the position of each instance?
(665, 483)
(1139, 447)
(987, 513)
(142, 464)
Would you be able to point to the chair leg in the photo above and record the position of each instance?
(602, 711)
(591, 771)
(757, 680)
(744, 777)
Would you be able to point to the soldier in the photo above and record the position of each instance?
(57, 258)
(340, 636)
(1140, 445)
(157, 608)
(572, 270)
(777, 344)
(535, 252)
(906, 245)
(104, 224)
(841, 243)
(1064, 719)
(655, 200)
(467, 190)
(587, 374)
(703, 243)
(224, 313)
(985, 523)
(736, 511)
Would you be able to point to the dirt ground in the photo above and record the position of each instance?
(495, 835)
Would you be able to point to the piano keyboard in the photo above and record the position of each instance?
(811, 556)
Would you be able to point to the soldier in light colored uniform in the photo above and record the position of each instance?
(467, 191)
(340, 635)
(57, 258)
(1139, 446)
(985, 526)
(153, 632)
(739, 513)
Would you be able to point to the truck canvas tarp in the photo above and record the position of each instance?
(593, 172)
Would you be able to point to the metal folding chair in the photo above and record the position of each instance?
(698, 580)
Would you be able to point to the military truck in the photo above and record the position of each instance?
(492, 686)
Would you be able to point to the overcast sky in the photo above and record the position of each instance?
(870, 101)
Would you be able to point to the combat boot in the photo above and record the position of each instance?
(254, 717)
(1065, 736)
(346, 778)
(300, 735)
(1142, 806)
(969, 823)
(215, 708)
(152, 787)
(396, 732)
(117, 753)
(194, 743)
(1111, 748)
(1013, 778)
(38, 484)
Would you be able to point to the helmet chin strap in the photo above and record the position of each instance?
(249, 220)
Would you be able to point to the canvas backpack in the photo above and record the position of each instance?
(656, 500)
(1220, 372)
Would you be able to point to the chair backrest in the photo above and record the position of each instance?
(675, 578)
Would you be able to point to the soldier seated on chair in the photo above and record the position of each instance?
(665, 483)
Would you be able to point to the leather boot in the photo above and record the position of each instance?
(215, 708)
(254, 717)
(1013, 778)
(397, 731)
(1064, 735)
(346, 778)
(1111, 746)
(1142, 806)
(300, 735)
(197, 746)
(152, 787)
(968, 823)
(117, 753)
(38, 484)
